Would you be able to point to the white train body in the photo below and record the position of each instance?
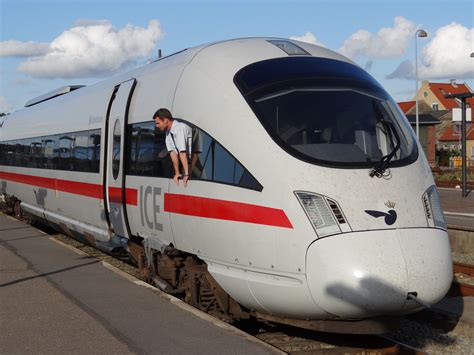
(309, 235)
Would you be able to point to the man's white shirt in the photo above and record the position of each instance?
(179, 137)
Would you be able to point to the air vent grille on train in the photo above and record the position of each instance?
(52, 94)
(288, 47)
(337, 212)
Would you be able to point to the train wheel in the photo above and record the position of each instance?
(204, 293)
(17, 211)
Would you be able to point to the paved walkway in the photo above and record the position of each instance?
(458, 210)
(453, 202)
(55, 301)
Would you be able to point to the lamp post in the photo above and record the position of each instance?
(419, 33)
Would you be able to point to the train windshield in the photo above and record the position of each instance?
(327, 112)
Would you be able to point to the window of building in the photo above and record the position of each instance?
(457, 129)
(434, 106)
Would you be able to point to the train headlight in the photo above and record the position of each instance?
(433, 210)
(323, 213)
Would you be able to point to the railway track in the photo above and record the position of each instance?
(298, 341)
(463, 268)
(463, 283)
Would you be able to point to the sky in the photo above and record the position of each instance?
(47, 44)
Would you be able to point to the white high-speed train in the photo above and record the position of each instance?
(310, 203)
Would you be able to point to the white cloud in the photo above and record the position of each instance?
(5, 106)
(93, 48)
(387, 43)
(22, 49)
(308, 37)
(88, 22)
(446, 56)
(404, 94)
(405, 70)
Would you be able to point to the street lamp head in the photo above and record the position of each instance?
(421, 33)
(418, 33)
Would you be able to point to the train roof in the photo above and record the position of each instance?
(242, 45)
(222, 57)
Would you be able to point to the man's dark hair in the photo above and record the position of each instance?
(163, 113)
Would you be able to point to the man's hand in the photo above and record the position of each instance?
(185, 180)
(176, 179)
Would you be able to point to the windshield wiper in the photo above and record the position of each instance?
(384, 163)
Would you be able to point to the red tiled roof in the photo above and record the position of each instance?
(441, 89)
(406, 105)
(449, 134)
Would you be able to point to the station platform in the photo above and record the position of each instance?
(55, 301)
(458, 210)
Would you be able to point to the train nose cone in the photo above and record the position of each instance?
(357, 275)
(365, 274)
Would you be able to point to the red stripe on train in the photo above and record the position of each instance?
(131, 196)
(226, 210)
(174, 203)
(73, 187)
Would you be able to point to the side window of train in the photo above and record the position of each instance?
(36, 152)
(3, 153)
(66, 143)
(209, 160)
(48, 145)
(147, 151)
(78, 151)
(93, 152)
(17, 154)
(212, 162)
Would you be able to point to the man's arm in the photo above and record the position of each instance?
(182, 141)
(174, 160)
(183, 156)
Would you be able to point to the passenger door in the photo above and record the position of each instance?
(114, 177)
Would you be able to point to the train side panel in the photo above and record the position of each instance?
(71, 199)
(156, 87)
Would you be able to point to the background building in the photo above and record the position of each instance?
(437, 129)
